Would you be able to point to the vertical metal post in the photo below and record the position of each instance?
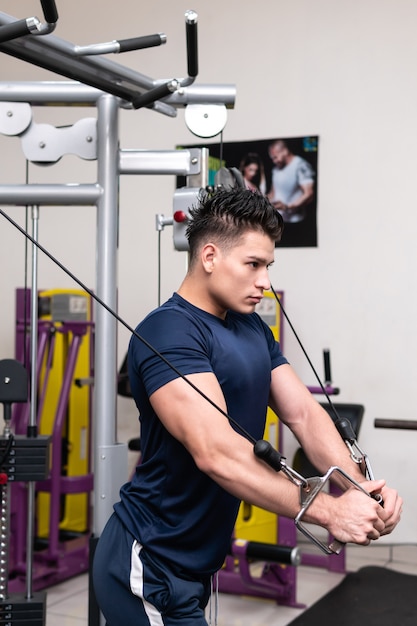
(202, 178)
(110, 458)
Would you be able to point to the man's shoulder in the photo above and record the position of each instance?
(172, 306)
(176, 321)
(303, 166)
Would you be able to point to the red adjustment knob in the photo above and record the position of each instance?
(3, 478)
(180, 216)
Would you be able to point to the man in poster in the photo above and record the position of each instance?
(297, 153)
(292, 184)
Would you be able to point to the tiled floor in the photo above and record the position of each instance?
(67, 603)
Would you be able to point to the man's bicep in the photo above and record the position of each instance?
(188, 416)
(288, 394)
(308, 188)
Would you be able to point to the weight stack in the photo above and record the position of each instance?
(17, 610)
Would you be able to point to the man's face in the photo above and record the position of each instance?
(240, 274)
(278, 155)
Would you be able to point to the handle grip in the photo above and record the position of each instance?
(264, 451)
(138, 43)
(50, 11)
(289, 555)
(152, 96)
(345, 429)
(327, 370)
(192, 48)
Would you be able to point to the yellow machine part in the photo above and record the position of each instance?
(254, 523)
(75, 453)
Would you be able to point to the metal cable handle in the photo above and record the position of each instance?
(171, 86)
(309, 489)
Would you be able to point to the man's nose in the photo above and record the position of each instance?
(263, 280)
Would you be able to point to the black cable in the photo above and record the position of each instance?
(7, 450)
(262, 449)
(128, 327)
(322, 387)
(221, 149)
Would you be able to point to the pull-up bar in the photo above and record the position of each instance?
(31, 25)
(75, 62)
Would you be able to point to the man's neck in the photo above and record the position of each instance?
(192, 290)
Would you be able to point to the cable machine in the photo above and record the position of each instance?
(107, 86)
(94, 81)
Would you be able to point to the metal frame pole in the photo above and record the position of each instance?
(110, 461)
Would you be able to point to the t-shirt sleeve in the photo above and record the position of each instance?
(179, 340)
(305, 173)
(277, 358)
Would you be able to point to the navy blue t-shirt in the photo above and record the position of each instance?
(173, 509)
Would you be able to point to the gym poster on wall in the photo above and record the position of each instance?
(285, 169)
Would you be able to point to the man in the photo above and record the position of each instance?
(292, 185)
(172, 528)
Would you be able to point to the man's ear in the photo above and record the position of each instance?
(208, 256)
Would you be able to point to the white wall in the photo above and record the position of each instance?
(344, 71)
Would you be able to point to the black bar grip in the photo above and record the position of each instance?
(192, 47)
(269, 552)
(327, 370)
(50, 11)
(345, 429)
(139, 43)
(398, 424)
(151, 96)
(288, 555)
(263, 450)
(14, 30)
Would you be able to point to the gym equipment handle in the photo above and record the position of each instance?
(50, 11)
(327, 370)
(153, 95)
(138, 43)
(392, 423)
(192, 48)
(263, 450)
(345, 429)
(287, 555)
(278, 554)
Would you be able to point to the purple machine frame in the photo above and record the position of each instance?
(278, 578)
(61, 558)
